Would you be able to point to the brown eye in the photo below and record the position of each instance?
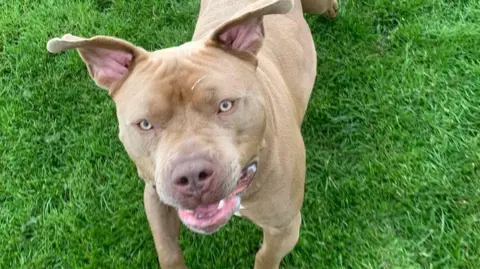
(226, 106)
(145, 125)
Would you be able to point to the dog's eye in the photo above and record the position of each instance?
(226, 106)
(145, 125)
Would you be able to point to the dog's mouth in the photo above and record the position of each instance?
(209, 218)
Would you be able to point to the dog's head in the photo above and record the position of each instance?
(192, 117)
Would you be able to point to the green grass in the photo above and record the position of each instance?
(392, 131)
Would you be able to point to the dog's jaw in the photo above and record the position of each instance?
(207, 219)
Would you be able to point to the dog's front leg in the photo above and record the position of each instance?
(277, 242)
(165, 227)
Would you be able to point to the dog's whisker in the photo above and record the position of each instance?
(198, 81)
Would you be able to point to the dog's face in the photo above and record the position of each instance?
(193, 117)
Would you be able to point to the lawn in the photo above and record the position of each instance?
(392, 134)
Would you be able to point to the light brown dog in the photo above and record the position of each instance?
(213, 125)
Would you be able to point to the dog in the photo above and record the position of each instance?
(214, 125)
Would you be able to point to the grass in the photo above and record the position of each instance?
(392, 131)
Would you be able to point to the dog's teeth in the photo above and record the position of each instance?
(221, 204)
(252, 168)
(237, 200)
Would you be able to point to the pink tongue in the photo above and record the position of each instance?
(206, 208)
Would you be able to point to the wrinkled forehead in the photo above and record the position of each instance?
(182, 75)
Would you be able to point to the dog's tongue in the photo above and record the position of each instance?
(207, 208)
(205, 211)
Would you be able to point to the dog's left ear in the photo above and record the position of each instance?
(244, 31)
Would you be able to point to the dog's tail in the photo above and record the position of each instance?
(316, 7)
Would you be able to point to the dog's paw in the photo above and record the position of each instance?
(332, 12)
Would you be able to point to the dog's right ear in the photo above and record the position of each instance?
(108, 59)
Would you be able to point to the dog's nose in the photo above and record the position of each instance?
(193, 175)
